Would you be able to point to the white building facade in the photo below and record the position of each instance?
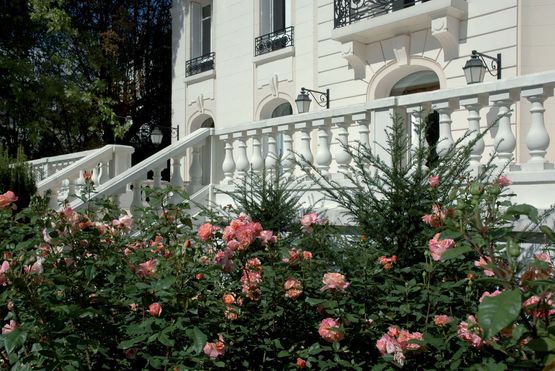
(248, 57)
(239, 66)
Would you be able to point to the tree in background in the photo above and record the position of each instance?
(71, 70)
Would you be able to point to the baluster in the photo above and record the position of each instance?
(304, 145)
(104, 172)
(256, 163)
(363, 122)
(342, 156)
(505, 141)
(417, 137)
(271, 156)
(323, 154)
(445, 142)
(228, 166)
(287, 158)
(136, 202)
(195, 170)
(473, 106)
(176, 180)
(537, 139)
(156, 178)
(242, 163)
(95, 175)
(53, 202)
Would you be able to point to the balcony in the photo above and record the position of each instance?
(368, 21)
(273, 41)
(200, 64)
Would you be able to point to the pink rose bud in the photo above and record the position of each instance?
(155, 309)
(433, 181)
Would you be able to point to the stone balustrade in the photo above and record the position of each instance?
(318, 137)
(133, 179)
(103, 164)
(42, 168)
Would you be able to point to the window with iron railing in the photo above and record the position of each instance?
(350, 11)
(199, 64)
(273, 41)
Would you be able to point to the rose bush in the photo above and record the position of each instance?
(95, 288)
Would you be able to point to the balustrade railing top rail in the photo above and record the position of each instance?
(44, 167)
(350, 11)
(157, 161)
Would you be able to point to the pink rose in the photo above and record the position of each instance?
(310, 219)
(301, 363)
(155, 309)
(334, 281)
(539, 307)
(7, 198)
(3, 269)
(9, 327)
(124, 222)
(433, 181)
(205, 231)
(386, 262)
(329, 330)
(405, 339)
(307, 255)
(482, 263)
(442, 320)
(470, 332)
(503, 181)
(487, 294)
(387, 345)
(147, 268)
(438, 247)
(293, 288)
(266, 237)
(214, 350)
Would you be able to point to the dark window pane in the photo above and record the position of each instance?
(206, 36)
(206, 11)
(279, 15)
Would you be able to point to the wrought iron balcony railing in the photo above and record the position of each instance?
(350, 11)
(273, 41)
(199, 64)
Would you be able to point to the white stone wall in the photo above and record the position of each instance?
(244, 88)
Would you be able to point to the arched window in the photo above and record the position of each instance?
(284, 109)
(419, 82)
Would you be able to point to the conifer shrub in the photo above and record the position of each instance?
(17, 176)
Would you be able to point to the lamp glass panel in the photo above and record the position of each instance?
(156, 136)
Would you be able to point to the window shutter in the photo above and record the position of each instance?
(196, 30)
(266, 25)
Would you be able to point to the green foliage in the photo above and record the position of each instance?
(270, 197)
(387, 195)
(81, 290)
(70, 70)
(17, 176)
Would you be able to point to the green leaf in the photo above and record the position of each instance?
(313, 301)
(454, 252)
(283, 353)
(126, 344)
(198, 337)
(523, 209)
(548, 232)
(14, 340)
(498, 312)
(165, 340)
